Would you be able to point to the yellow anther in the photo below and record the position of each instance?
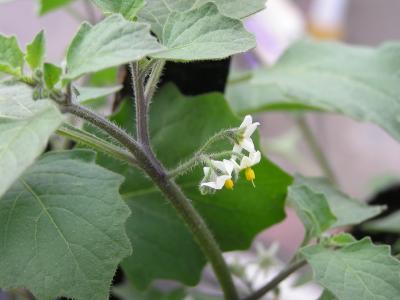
(250, 175)
(229, 184)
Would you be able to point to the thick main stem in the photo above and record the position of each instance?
(173, 193)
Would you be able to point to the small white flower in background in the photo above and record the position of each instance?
(246, 129)
(246, 163)
(217, 175)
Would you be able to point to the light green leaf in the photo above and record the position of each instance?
(358, 271)
(348, 211)
(35, 51)
(46, 6)
(25, 127)
(313, 210)
(203, 33)
(340, 240)
(52, 75)
(62, 228)
(360, 82)
(326, 295)
(164, 248)
(390, 224)
(11, 56)
(127, 8)
(112, 42)
(156, 12)
(89, 93)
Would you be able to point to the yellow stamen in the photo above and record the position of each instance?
(229, 184)
(250, 175)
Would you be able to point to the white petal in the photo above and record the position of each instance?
(236, 166)
(255, 157)
(250, 129)
(247, 121)
(221, 181)
(212, 185)
(219, 165)
(245, 163)
(248, 145)
(228, 166)
(206, 170)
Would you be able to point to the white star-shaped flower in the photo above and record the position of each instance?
(216, 177)
(247, 161)
(247, 128)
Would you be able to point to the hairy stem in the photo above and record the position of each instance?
(171, 190)
(276, 280)
(316, 149)
(142, 113)
(94, 142)
(153, 80)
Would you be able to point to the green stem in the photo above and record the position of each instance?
(153, 80)
(276, 280)
(94, 142)
(198, 159)
(173, 193)
(316, 149)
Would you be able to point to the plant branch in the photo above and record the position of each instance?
(142, 132)
(153, 80)
(276, 280)
(94, 142)
(316, 149)
(173, 193)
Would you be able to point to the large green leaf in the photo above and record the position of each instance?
(360, 82)
(62, 228)
(313, 210)
(112, 42)
(11, 56)
(156, 12)
(348, 211)
(46, 6)
(164, 247)
(25, 127)
(127, 8)
(203, 33)
(359, 271)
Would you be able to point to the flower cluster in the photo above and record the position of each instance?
(219, 174)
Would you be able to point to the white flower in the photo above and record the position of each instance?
(247, 128)
(247, 161)
(218, 174)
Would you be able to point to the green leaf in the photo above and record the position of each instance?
(11, 56)
(390, 224)
(35, 51)
(52, 75)
(164, 248)
(156, 12)
(46, 6)
(62, 228)
(340, 240)
(203, 33)
(313, 210)
(127, 292)
(127, 8)
(112, 42)
(25, 127)
(348, 211)
(360, 82)
(87, 94)
(327, 295)
(358, 271)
